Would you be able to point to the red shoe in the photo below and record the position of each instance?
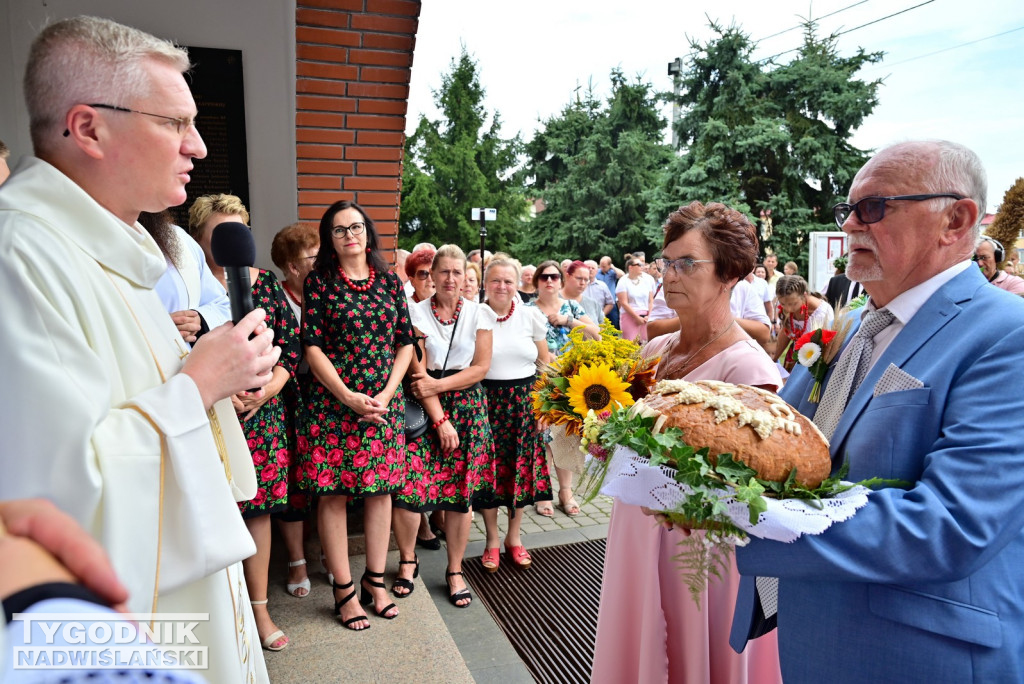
(519, 555)
(491, 559)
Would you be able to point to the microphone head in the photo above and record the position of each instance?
(232, 244)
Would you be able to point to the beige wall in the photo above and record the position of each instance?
(264, 30)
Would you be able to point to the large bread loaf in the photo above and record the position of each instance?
(755, 426)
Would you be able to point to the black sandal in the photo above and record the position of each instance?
(402, 583)
(432, 544)
(367, 597)
(460, 594)
(338, 604)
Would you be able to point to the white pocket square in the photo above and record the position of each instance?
(895, 379)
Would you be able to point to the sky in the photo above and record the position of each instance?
(947, 73)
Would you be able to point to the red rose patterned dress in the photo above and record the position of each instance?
(520, 460)
(361, 333)
(267, 430)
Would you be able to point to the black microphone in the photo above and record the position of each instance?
(234, 249)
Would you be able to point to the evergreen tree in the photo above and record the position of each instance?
(592, 165)
(770, 140)
(457, 163)
(1009, 221)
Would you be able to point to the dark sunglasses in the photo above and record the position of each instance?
(872, 209)
(422, 275)
(549, 276)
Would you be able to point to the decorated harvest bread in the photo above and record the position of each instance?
(755, 426)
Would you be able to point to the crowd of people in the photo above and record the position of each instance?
(173, 436)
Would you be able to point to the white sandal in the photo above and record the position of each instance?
(268, 643)
(323, 569)
(304, 584)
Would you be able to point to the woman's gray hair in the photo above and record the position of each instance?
(500, 260)
(89, 60)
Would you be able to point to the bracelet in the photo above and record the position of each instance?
(440, 422)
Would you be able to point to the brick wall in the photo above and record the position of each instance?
(353, 63)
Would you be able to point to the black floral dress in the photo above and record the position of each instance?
(435, 480)
(360, 332)
(267, 431)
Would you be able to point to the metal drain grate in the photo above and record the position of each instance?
(548, 611)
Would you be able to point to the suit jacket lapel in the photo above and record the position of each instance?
(941, 308)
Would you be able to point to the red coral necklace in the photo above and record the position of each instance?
(791, 331)
(455, 316)
(511, 310)
(358, 288)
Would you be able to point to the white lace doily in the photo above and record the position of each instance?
(632, 479)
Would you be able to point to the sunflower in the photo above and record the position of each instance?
(598, 388)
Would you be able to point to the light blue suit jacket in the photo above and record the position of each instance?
(925, 584)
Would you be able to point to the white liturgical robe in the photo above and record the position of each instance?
(96, 417)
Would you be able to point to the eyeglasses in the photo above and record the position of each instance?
(872, 209)
(356, 228)
(549, 276)
(421, 275)
(181, 123)
(683, 265)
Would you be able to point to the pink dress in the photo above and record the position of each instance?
(649, 629)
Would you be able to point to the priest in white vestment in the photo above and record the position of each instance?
(106, 411)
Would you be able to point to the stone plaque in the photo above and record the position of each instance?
(219, 92)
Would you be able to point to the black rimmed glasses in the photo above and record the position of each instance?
(872, 209)
(683, 265)
(356, 228)
(181, 123)
(549, 276)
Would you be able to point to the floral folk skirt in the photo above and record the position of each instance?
(439, 481)
(520, 463)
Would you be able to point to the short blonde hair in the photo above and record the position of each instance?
(449, 252)
(502, 260)
(206, 206)
(89, 59)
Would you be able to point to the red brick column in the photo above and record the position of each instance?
(353, 63)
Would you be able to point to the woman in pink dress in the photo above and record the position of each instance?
(649, 628)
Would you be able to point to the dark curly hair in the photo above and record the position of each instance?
(327, 263)
(729, 234)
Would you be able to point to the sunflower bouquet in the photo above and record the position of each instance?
(596, 376)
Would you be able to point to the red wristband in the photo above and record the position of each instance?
(440, 422)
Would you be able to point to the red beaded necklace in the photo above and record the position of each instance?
(291, 295)
(455, 316)
(791, 331)
(507, 316)
(358, 288)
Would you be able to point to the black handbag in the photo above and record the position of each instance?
(416, 419)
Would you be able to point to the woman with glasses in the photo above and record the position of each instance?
(799, 312)
(417, 267)
(293, 251)
(577, 277)
(635, 294)
(649, 628)
(262, 415)
(521, 475)
(447, 464)
(562, 316)
(358, 342)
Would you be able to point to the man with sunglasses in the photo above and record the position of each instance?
(108, 413)
(923, 583)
